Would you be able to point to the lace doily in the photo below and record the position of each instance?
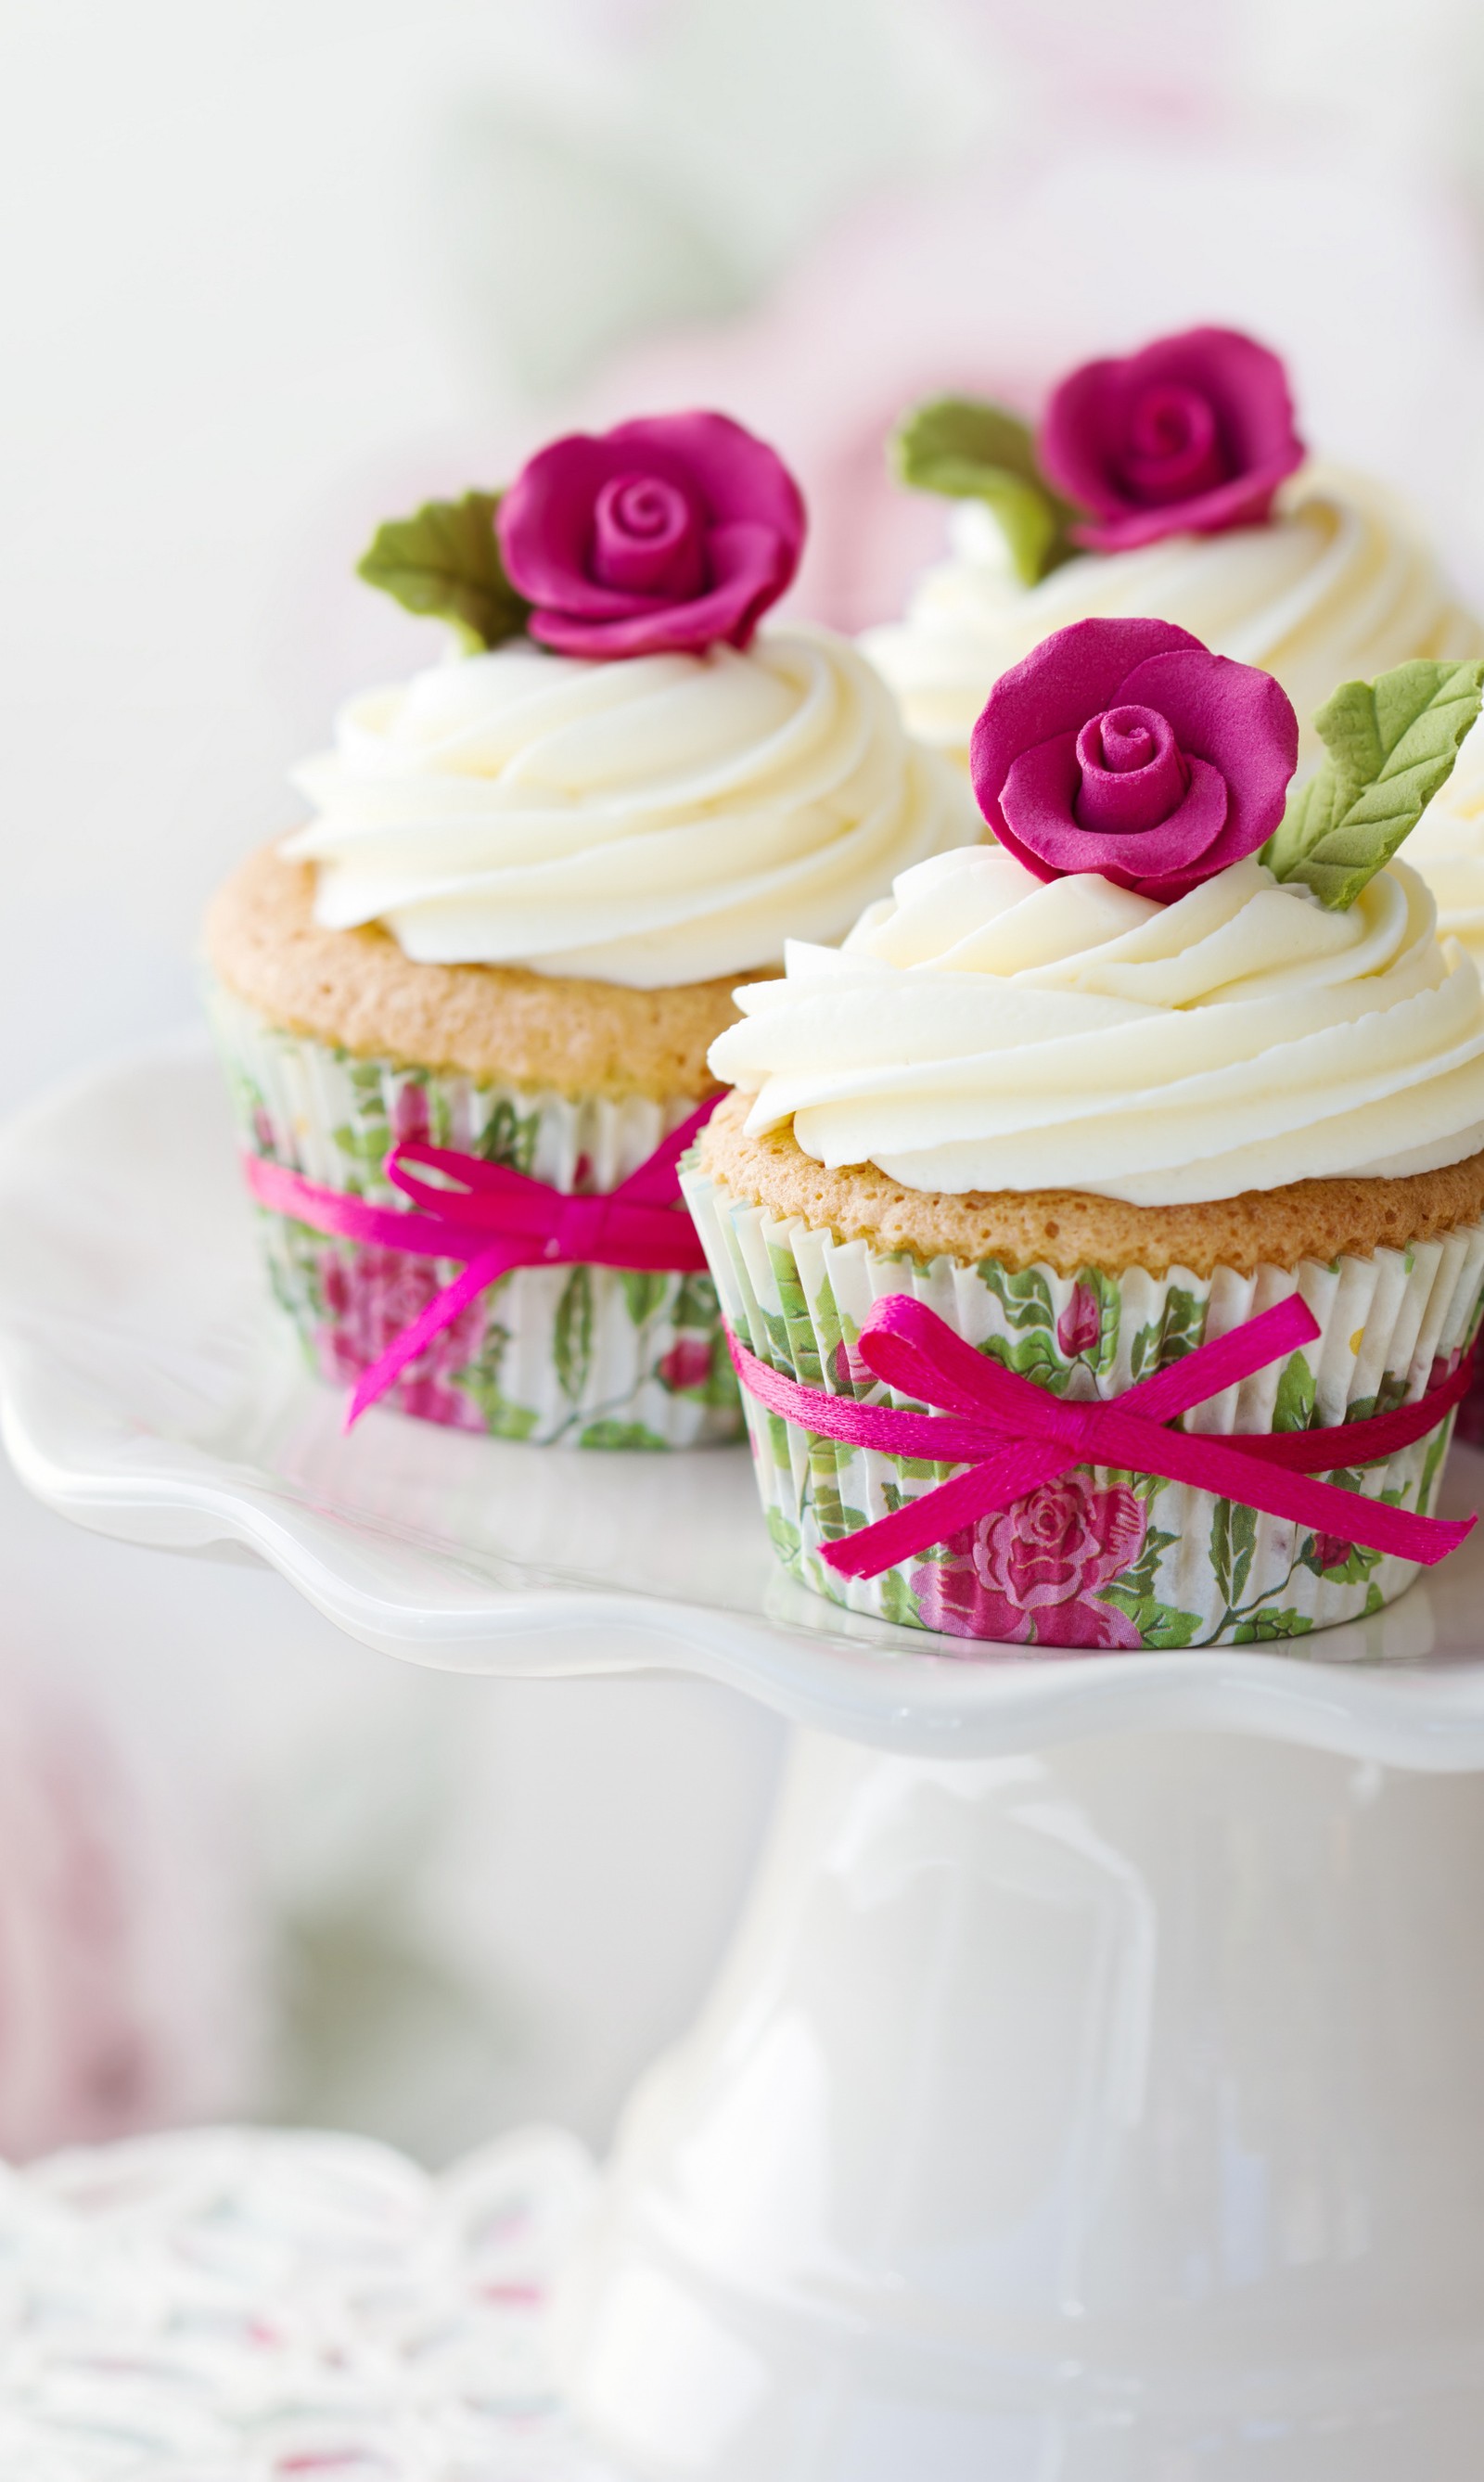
(236, 2306)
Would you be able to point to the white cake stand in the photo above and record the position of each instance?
(1094, 2091)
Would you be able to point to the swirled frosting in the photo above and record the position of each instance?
(658, 821)
(1339, 587)
(1447, 847)
(984, 1030)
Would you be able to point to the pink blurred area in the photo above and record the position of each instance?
(1000, 281)
(114, 2012)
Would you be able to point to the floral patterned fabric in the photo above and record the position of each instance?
(1097, 1560)
(586, 1357)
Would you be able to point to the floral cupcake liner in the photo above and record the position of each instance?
(586, 1356)
(1098, 1558)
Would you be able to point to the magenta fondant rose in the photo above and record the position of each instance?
(1191, 436)
(1033, 1574)
(672, 533)
(1126, 748)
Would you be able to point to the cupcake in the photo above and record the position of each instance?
(479, 986)
(1166, 1108)
(1172, 482)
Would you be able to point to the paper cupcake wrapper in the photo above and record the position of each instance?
(586, 1356)
(1099, 1558)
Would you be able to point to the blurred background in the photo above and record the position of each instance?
(273, 269)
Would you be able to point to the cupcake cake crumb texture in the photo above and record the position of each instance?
(541, 1032)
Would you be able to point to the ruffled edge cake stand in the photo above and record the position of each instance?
(1092, 2089)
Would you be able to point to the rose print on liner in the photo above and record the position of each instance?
(1079, 1327)
(1031, 1574)
(370, 1295)
(686, 1364)
(1125, 748)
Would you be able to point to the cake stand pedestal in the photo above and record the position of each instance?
(1095, 2090)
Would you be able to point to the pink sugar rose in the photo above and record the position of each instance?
(1030, 1574)
(670, 534)
(1191, 436)
(1126, 748)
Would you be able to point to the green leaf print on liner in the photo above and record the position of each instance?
(644, 1290)
(898, 1602)
(1026, 1298)
(610, 1434)
(572, 1334)
(803, 1345)
(1264, 1627)
(509, 1137)
(1293, 1406)
(1159, 1624)
(1233, 1541)
(1031, 1357)
(1178, 1331)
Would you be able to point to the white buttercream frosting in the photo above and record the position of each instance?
(656, 821)
(1447, 847)
(981, 1029)
(1339, 587)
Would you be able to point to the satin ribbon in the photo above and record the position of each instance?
(493, 1217)
(1012, 1436)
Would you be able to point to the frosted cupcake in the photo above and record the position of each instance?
(472, 998)
(1171, 482)
(1169, 1105)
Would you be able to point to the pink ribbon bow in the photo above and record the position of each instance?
(493, 1217)
(1011, 1436)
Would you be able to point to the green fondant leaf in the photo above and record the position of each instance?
(1391, 745)
(444, 562)
(967, 450)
